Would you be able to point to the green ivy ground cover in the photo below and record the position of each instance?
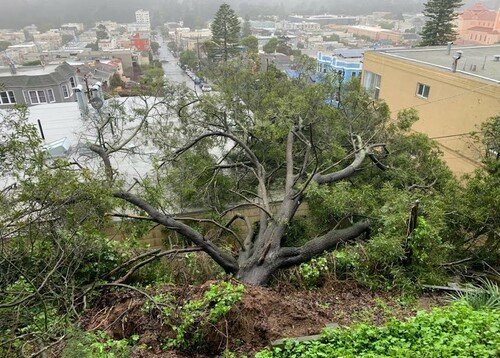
(454, 331)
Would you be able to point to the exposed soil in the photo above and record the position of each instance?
(262, 316)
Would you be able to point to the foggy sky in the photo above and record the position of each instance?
(51, 13)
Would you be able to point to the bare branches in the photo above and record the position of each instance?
(227, 262)
(249, 153)
(361, 151)
(294, 256)
(153, 257)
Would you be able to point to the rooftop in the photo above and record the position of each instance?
(477, 61)
(27, 70)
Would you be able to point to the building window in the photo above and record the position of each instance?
(371, 83)
(72, 82)
(7, 97)
(50, 95)
(65, 91)
(423, 90)
(37, 97)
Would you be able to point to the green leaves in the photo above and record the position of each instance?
(225, 33)
(455, 331)
(439, 27)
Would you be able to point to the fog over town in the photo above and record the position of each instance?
(54, 12)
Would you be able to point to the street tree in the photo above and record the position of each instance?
(439, 28)
(101, 32)
(225, 32)
(188, 58)
(251, 43)
(155, 46)
(271, 45)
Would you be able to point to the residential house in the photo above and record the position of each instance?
(307, 26)
(19, 53)
(88, 36)
(14, 37)
(36, 85)
(140, 42)
(454, 91)
(107, 44)
(347, 62)
(193, 40)
(49, 40)
(75, 26)
(109, 25)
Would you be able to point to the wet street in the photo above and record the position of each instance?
(173, 72)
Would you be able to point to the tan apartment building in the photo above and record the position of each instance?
(454, 91)
(376, 33)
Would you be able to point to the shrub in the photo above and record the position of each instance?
(455, 331)
(487, 295)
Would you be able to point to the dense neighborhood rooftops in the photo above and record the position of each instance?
(35, 76)
(478, 61)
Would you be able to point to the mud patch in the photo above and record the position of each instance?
(262, 315)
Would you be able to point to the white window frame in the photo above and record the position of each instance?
(37, 96)
(371, 83)
(50, 95)
(423, 90)
(11, 98)
(65, 91)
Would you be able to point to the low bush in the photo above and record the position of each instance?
(454, 331)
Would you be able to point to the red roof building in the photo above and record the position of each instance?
(140, 42)
(478, 25)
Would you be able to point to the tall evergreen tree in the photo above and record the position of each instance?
(225, 32)
(439, 28)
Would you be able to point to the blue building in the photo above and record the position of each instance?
(347, 62)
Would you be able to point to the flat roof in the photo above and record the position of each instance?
(478, 61)
(27, 70)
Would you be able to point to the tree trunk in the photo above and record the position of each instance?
(258, 275)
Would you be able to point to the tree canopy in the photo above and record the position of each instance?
(439, 28)
(225, 32)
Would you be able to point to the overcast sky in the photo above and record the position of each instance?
(51, 13)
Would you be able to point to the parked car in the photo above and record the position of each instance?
(206, 88)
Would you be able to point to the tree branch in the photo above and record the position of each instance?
(105, 158)
(227, 262)
(291, 256)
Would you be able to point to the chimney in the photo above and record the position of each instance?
(456, 57)
(82, 101)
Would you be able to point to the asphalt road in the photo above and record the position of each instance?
(172, 70)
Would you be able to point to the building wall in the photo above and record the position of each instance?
(328, 64)
(457, 104)
(375, 33)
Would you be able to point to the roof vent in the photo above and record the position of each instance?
(496, 58)
(58, 148)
